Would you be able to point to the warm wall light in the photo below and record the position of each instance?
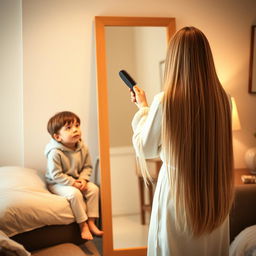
(235, 118)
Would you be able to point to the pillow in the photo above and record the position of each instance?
(15, 177)
(244, 243)
(26, 204)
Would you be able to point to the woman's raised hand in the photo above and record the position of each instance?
(138, 97)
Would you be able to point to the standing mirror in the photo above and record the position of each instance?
(137, 45)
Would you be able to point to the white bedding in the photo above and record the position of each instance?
(26, 204)
(244, 243)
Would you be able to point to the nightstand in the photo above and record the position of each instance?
(154, 171)
(239, 173)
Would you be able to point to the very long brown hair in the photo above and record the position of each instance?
(196, 135)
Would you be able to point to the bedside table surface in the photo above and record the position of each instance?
(238, 173)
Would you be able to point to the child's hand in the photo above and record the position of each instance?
(77, 184)
(83, 185)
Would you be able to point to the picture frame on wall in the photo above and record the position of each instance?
(252, 67)
(161, 73)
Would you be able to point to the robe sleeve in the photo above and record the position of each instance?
(146, 124)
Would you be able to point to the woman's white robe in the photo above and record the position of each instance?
(163, 238)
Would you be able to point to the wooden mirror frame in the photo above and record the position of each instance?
(103, 120)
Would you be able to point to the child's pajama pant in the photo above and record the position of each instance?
(83, 204)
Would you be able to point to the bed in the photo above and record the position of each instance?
(30, 214)
(243, 221)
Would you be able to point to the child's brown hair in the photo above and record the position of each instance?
(59, 120)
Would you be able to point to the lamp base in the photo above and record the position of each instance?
(250, 159)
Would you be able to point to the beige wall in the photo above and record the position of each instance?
(151, 47)
(11, 134)
(59, 63)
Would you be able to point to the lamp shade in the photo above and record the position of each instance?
(235, 118)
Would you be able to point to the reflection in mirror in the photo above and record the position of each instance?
(140, 51)
(137, 45)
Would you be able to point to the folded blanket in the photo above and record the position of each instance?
(10, 247)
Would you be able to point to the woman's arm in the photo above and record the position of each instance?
(146, 125)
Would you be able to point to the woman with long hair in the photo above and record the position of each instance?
(189, 127)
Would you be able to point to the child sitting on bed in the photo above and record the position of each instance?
(69, 169)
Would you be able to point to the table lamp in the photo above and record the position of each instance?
(235, 118)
